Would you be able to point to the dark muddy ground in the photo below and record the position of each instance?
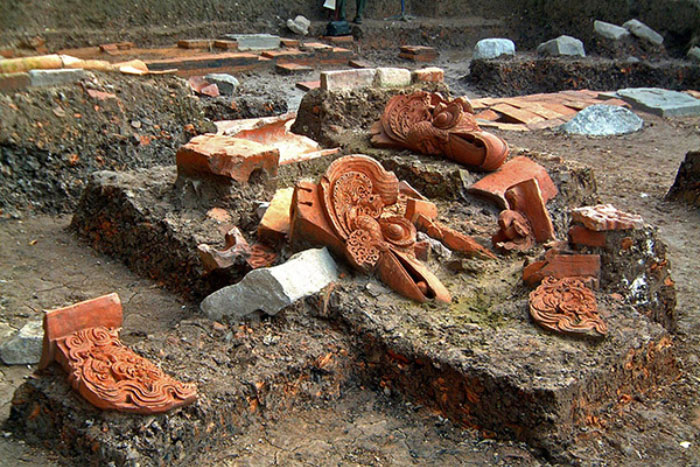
(369, 425)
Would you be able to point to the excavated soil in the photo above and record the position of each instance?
(312, 405)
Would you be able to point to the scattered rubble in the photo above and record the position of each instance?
(226, 84)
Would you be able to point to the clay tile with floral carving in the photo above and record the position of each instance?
(602, 217)
(353, 212)
(427, 123)
(566, 306)
(84, 339)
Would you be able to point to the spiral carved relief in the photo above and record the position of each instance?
(567, 306)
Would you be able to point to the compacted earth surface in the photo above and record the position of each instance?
(362, 421)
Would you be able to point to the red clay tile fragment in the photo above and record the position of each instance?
(274, 226)
(453, 239)
(604, 217)
(521, 168)
(84, 339)
(580, 235)
(566, 306)
(221, 155)
(526, 198)
(561, 266)
(349, 211)
(427, 123)
(236, 251)
(515, 115)
(420, 207)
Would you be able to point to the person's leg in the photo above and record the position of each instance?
(340, 8)
(360, 10)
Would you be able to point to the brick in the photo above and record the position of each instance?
(194, 43)
(542, 111)
(494, 186)
(287, 53)
(55, 77)
(274, 226)
(308, 85)
(547, 124)
(10, 82)
(488, 115)
(343, 80)
(290, 43)
(291, 68)
(392, 78)
(315, 46)
(420, 207)
(558, 108)
(207, 63)
(357, 63)
(429, 75)
(225, 156)
(515, 115)
(225, 44)
(581, 236)
(339, 39)
(504, 126)
(561, 266)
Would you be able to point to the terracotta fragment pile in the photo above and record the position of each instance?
(429, 124)
(356, 210)
(236, 250)
(84, 339)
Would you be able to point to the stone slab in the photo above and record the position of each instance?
(41, 78)
(661, 101)
(255, 41)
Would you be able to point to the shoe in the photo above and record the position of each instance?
(357, 20)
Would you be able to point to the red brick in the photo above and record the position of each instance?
(429, 75)
(515, 115)
(339, 39)
(225, 44)
(194, 43)
(356, 63)
(11, 82)
(561, 266)
(290, 43)
(308, 85)
(221, 155)
(579, 235)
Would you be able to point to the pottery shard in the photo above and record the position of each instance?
(274, 226)
(560, 266)
(236, 251)
(526, 198)
(235, 158)
(516, 170)
(603, 217)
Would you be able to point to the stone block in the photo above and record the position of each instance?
(661, 101)
(255, 41)
(10, 82)
(274, 225)
(392, 78)
(644, 32)
(299, 25)
(272, 289)
(226, 83)
(609, 30)
(221, 155)
(428, 75)
(56, 77)
(344, 80)
(694, 54)
(25, 347)
(562, 45)
(603, 120)
(493, 48)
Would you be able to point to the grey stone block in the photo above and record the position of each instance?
(226, 83)
(343, 80)
(643, 31)
(603, 120)
(694, 54)
(25, 347)
(255, 41)
(661, 101)
(392, 77)
(272, 289)
(562, 45)
(56, 77)
(609, 30)
(299, 25)
(492, 48)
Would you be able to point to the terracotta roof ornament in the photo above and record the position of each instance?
(427, 123)
(84, 339)
(566, 306)
(353, 212)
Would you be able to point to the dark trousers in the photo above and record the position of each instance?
(340, 5)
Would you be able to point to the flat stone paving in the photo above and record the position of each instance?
(661, 102)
